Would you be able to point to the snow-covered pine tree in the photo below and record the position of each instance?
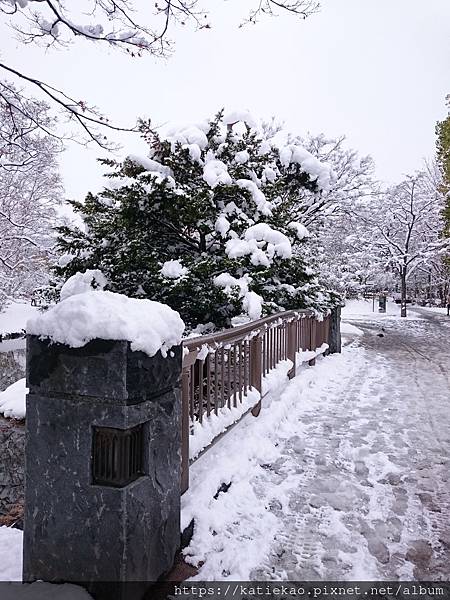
(206, 224)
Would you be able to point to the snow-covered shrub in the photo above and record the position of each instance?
(207, 223)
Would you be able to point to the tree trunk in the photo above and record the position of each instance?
(403, 292)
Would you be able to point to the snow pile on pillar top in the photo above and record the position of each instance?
(149, 326)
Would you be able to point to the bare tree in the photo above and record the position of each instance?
(114, 23)
(30, 189)
(406, 226)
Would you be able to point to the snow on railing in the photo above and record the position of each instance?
(223, 373)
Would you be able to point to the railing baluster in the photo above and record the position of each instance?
(192, 392)
(229, 377)
(208, 385)
(199, 364)
(216, 382)
(240, 372)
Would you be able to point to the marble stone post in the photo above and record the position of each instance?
(334, 342)
(79, 528)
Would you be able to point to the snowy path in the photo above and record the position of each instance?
(373, 492)
(358, 485)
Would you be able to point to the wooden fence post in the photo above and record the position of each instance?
(185, 430)
(292, 346)
(312, 339)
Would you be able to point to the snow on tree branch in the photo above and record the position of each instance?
(115, 23)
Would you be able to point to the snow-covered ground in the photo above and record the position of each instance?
(361, 309)
(13, 400)
(345, 477)
(14, 317)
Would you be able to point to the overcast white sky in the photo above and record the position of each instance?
(377, 71)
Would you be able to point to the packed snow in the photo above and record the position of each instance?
(149, 326)
(344, 474)
(12, 400)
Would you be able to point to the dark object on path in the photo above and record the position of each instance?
(380, 334)
(223, 488)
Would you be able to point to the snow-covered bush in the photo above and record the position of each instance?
(208, 223)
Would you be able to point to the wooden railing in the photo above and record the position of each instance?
(223, 373)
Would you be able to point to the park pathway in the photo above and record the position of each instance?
(371, 498)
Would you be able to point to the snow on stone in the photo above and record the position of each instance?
(242, 157)
(317, 170)
(12, 400)
(215, 172)
(79, 283)
(149, 326)
(263, 206)
(173, 269)
(300, 230)
(14, 317)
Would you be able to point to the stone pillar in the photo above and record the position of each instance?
(335, 331)
(102, 486)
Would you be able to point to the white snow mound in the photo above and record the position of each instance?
(12, 400)
(149, 326)
(83, 282)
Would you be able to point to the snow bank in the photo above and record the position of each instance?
(12, 400)
(204, 433)
(348, 329)
(10, 556)
(149, 326)
(14, 317)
